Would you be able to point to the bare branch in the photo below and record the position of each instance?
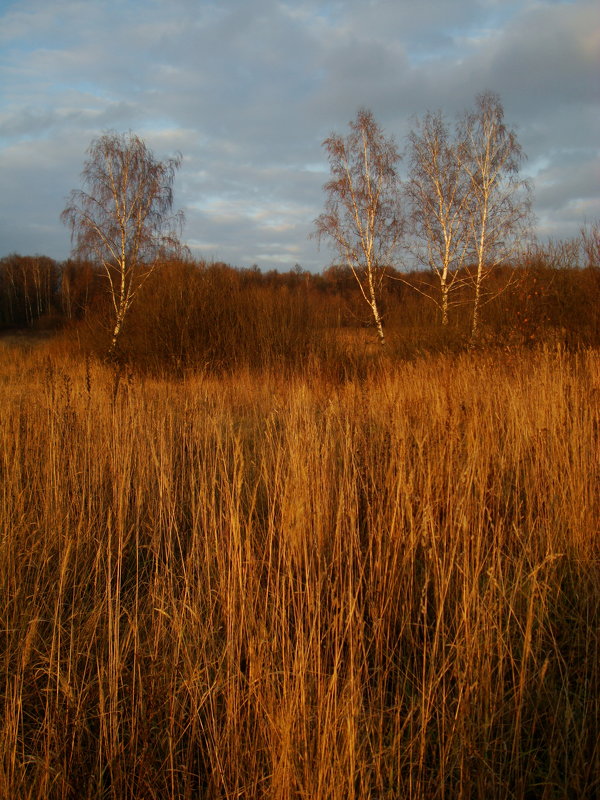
(122, 217)
(362, 215)
(437, 192)
(499, 201)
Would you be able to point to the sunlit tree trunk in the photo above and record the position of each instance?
(124, 218)
(363, 216)
(445, 300)
(375, 310)
(437, 193)
(479, 276)
(499, 203)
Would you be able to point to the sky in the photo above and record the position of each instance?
(246, 91)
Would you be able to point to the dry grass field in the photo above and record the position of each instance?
(269, 587)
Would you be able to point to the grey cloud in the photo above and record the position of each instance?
(31, 122)
(569, 179)
(247, 91)
(547, 56)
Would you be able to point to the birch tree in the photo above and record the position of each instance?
(438, 193)
(499, 203)
(362, 216)
(590, 244)
(123, 217)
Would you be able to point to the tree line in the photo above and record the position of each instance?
(194, 314)
(461, 217)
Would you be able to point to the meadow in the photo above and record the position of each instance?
(259, 585)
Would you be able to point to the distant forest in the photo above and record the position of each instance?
(192, 314)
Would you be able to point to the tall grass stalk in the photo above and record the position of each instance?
(301, 588)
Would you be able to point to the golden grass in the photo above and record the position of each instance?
(265, 588)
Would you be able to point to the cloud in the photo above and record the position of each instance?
(247, 92)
